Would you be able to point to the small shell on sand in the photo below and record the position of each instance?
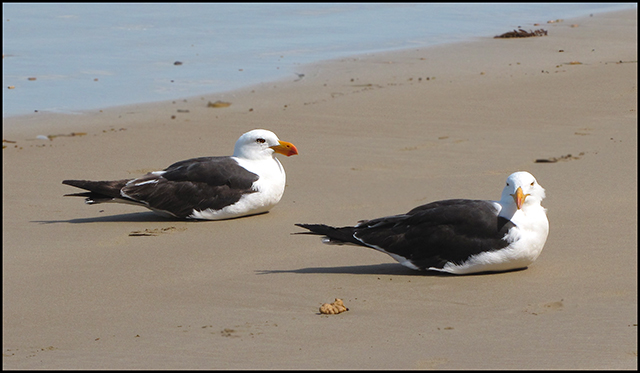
(333, 308)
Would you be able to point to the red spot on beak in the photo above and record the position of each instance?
(285, 148)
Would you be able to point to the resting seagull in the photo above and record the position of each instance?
(458, 236)
(206, 188)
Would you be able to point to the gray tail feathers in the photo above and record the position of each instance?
(335, 235)
(98, 191)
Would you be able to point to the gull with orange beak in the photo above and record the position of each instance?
(207, 188)
(458, 236)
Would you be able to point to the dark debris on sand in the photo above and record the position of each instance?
(520, 33)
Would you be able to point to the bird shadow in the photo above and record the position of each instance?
(372, 269)
(133, 217)
(378, 269)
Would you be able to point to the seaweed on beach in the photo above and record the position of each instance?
(218, 104)
(567, 157)
(520, 33)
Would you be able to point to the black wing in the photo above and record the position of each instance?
(198, 183)
(439, 232)
(429, 235)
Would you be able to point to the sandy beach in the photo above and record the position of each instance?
(378, 135)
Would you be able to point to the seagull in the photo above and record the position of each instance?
(207, 188)
(458, 236)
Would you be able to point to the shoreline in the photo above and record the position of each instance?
(376, 138)
(107, 94)
(285, 81)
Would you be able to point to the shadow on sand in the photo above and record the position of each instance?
(120, 218)
(372, 269)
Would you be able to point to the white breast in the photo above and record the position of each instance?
(526, 239)
(269, 190)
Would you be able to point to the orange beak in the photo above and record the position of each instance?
(519, 197)
(285, 148)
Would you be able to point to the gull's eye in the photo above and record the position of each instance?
(533, 182)
(507, 184)
(261, 140)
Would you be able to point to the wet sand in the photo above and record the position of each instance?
(378, 135)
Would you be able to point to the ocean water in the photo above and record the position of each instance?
(76, 57)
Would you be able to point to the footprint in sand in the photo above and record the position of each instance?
(537, 309)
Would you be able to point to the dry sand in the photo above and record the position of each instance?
(378, 135)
